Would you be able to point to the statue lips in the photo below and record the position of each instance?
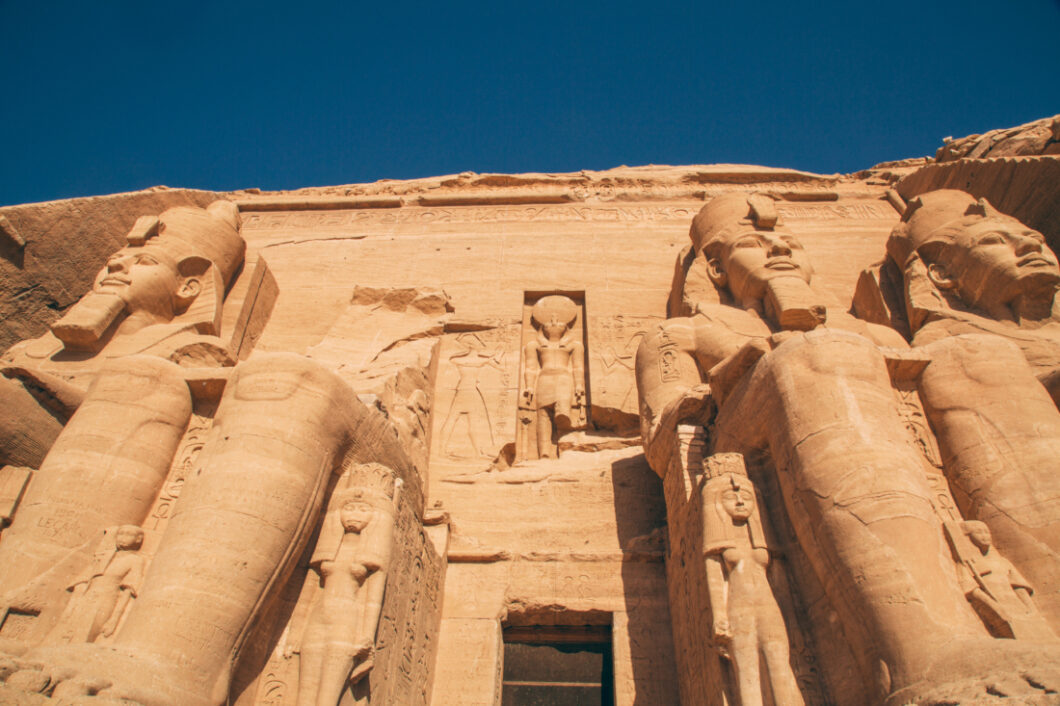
(1035, 260)
(781, 263)
(113, 280)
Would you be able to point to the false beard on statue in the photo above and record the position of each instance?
(84, 325)
(792, 305)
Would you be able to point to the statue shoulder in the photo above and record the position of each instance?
(877, 333)
(32, 351)
(187, 348)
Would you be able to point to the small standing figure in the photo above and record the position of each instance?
(351, 557)
(554, 373)
(748, 624)
(104, 591)
(998, 592)
(469, 404)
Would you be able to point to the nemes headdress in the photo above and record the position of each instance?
(205, 243)
(691, 288)
(727, 211)
(211, 233)
(930, 216)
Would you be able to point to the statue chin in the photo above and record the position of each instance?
(1040, 282)
(88, 320)
(793, 305)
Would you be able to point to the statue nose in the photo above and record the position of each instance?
(118, 264)
(779, 247)
(1026, 244)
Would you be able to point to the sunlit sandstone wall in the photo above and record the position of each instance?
(574, 540)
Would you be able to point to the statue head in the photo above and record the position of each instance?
(554, 315)
(979, 533)
(973, 252)
(366, 494)
(729, 504)
(745, 246)
(174, 265)
(355, 514)
(129, 537)
(738, 499)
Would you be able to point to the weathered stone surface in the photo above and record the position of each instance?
(345, 445)
(1033, 138)
(65, 244)
(1026, 188)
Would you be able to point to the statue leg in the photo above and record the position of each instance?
(482, 432)
(334, 671)
(283, 426)
(773, 639)
(999, 434)
(104, 469)
(311, 656)
(744, 648)
(545, 447)
(854, 486)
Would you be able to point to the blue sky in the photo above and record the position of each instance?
(119, 95)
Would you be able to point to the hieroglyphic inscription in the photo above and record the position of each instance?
(465, 214)
(613, 342)
(273, 688)
(184, 463)
(407, 633)
(822, 211)
(915, 421)
(668, 367)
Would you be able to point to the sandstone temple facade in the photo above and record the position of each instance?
(710, 435)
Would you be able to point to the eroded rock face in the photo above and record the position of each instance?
(385, 443)
(1034, 138)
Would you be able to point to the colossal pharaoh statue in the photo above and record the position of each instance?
(969, 269)
(810, 394)
(141, 362)
(978, 292)
(160, 295)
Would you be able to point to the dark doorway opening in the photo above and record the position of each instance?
(558, 665)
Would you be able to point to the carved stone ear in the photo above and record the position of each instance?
(940, 277)
(716, 273)
(189, 290)
(192, 272)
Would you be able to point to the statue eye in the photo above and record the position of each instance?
(991, 239)
(748, 241)
(792, 243)
(146, 260)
